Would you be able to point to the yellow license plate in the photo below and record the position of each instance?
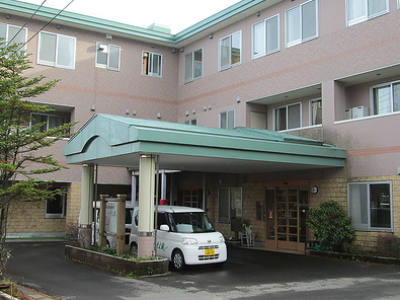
(209, 252)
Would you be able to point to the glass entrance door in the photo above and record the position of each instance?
(286, 211)
(287, 232)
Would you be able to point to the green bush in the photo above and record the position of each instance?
(331, 226)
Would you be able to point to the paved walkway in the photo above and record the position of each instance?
(27, 294)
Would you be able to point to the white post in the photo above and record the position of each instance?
(146, 205)
(163, 185)
(133, 189)
(86, 215)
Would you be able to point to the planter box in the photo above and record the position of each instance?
(117, 264)
(364, 258)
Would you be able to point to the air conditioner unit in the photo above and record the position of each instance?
(359, 112)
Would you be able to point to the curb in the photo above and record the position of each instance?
(27, 294)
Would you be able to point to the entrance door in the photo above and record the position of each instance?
(287, 206)
(286, 229)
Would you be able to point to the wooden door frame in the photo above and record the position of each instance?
(274, 244)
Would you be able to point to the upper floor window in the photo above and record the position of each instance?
(386, 98)
(287, 117)
(191, 122)
(362, 10)
(13, 34)
(315, 112)
(152, 64)
(301, 23)
(227, 119)
(370, 205)
(230, 50)
(266, 37)
(56, 50)
(193, 65)
(49, 121)
(108, 56)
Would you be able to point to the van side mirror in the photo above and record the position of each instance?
(164, 227)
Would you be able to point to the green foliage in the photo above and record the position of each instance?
(20, 140)
(107, 250)
(331, 226)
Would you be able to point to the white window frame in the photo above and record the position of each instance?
(264, 41)
(227, 118)
(238, 211)
(48, 119)
(150, 63)
(366, 15)
(287, 115)
(8, 37)
(387, 84)
(366, 226)
(229, 38)
(105, 48)
(192, 76)
(398, 4)
(191, 122)
(63, 198)
(311, 112)
(55, 63)
(301, 40)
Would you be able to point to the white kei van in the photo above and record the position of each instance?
(185, 235)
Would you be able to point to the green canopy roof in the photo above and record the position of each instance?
(119, 141)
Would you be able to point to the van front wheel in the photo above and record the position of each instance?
(134, 248)
(178, 260)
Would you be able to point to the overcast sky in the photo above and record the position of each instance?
(176, 14)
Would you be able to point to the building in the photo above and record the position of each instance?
(323, 70)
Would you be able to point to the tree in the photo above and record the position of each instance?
(331, 226)
(20, 158)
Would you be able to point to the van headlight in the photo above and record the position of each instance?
(189, 241)
(221, 239)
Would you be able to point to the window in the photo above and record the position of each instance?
(315, 112)
(108, 56)
(301, 23)
(50, 121)
(56, 208)
(230, 51)
(227, 119)
(13, 34)
(191, 122)
(287, 117)
(386, 98)
(152, 64)
(362, 10)
(229, 204)
(370, 205)
(56, 50)
(193, 65)
(266, 37)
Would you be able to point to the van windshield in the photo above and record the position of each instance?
(196, 222)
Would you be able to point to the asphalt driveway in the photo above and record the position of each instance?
(248, 274)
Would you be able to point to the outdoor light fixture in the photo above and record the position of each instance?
(187, 113)
(194, 111)
(158, 115)
(182, 49)
(314, 190)
(238, 98)
(205, 108)
(108, 37)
